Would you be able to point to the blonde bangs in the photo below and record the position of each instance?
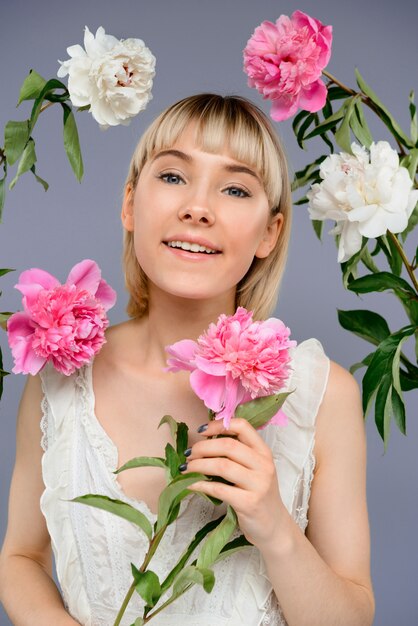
(220, 123)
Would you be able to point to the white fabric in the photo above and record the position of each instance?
(93, 549)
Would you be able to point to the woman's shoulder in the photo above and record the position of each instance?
(340, 421)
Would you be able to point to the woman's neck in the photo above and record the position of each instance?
(172, 319)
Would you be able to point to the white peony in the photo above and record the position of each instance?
(113, 77)
(366, 193)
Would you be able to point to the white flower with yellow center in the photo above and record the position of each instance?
(112, 76)
(366, 194)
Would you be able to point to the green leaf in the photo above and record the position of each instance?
(303, 200)
(408, 380)
(367, 260)
(142, 461)
(138, 622)
(167, 419)
(318, 226)
(300, 136)
(259, 411)
(2, 195)
(4, 316)
(336, 93)
(71, 142)
(412, 163)
(342, 135)
(39, 179)
(199, 536)
(329, 123)
(49, 87)
(5, 271)
(412, 222)
(182, 439)
(379, 371)
(147, 585)
(217, 539)
(16, 137)
(395, 260)
(172, 461)
(379, 282)
(310, 172)
(173, 494)
(413, 112)
(398, 409)
(349, 268)
(119, 508)
(2, 373)
(383, 409)
(365, 324)
(383, 112)
(27, 160)
(233, 546)
(31, 87)
(193, 575)
(364, 363)
(359, 126)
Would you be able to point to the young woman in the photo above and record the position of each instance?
(206, 213)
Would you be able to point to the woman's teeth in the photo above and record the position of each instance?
(190, 247)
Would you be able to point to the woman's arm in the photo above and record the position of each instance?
(321, 579)
(27, 590)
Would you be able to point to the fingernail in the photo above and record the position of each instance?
(202, 428)
(182, 467)
(187, 452)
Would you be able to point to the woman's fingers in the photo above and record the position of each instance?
(240, 428)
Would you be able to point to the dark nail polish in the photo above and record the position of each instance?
(182, 467)
(187, 452)
(202, 428)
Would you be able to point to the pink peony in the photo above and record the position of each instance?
(63, 324)
(234, 361)
(284, 62)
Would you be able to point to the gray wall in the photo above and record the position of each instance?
(198, 47)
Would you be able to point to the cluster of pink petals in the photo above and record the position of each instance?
(284, 62)
(235, 360)
(63, 324)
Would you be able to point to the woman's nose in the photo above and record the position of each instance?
(197, 212)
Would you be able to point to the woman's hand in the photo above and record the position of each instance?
(247, 463)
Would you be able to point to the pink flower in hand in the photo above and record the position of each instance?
(284, 62)
(63, 324)
(234, 361)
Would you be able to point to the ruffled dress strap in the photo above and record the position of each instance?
(60, 414)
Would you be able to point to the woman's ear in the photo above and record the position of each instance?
(127, 213)
(271, 235)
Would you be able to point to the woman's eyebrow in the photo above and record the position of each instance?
(229, 167)
(176, 153)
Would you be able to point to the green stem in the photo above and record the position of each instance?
(46, 106)
(2, 156)
(405, 261)
(125, 604)
(339, 83)
(151, 551)
(364, 99)
(163, 606)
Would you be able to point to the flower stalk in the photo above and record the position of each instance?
(409, 268)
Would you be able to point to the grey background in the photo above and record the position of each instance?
(198, 47)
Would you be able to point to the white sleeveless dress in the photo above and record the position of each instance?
(94, 549)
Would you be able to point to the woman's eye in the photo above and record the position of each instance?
(171, 179)
(237, 192)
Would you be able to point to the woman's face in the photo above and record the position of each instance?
(199, 219)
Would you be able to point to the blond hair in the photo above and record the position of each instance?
(234, 122)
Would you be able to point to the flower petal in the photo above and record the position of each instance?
(85, 275)
(106, 295)
(182, 353)
(20, 336)
(210, 389)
